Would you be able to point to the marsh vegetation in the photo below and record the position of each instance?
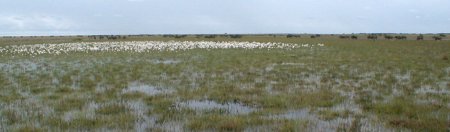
(295, 84)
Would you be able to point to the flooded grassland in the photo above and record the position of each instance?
(224, 86)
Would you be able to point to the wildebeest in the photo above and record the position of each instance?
(420, 37)
(354, 37)
(388, 37)
(292, 36)
(372, 37)
(344, 37)
(400, 37)
(315, 36)
(437, 38)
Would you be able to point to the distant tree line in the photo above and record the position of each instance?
(293, 36)
(210, 36)
(315, 36)
(108, 37)
(174, 36)
(298, 36)
(373, 36)
(348, 37)
(236, 36)
(390, 37)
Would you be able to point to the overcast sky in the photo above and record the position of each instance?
(70, 17)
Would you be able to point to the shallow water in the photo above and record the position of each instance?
(207, 105)
(147, 89)
(167, 62)
(427, 89)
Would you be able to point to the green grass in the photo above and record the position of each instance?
(72, 103)
(272, 82)
(112, 109)
(218, 122)
(330, 114)
(403, 112)
(11, 116)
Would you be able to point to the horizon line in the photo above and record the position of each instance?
(204, 34)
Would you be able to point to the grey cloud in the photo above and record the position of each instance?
(34, 22)
(226, 16)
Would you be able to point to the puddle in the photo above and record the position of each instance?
(3, 65)
(167, 62)
(269, 68)
(366, 125)
(303, 114)
(170, 126)
(403, 77)
(316, 124)
(313, 79)
(76, 114)
(272, 66)
(293, 64)
(444, 85)
(147, 89)
(447, 70)
(139, 109)
(21, 65)
(207, 105)
(427, 89)
(348, 105)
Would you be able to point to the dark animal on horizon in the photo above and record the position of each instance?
(344, 37)
(372, 37)
(400, 37)
(388, 37)
(293, 36)
(420, 37)
(315, 36)
(437, 38)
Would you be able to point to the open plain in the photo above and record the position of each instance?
(224, 83)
